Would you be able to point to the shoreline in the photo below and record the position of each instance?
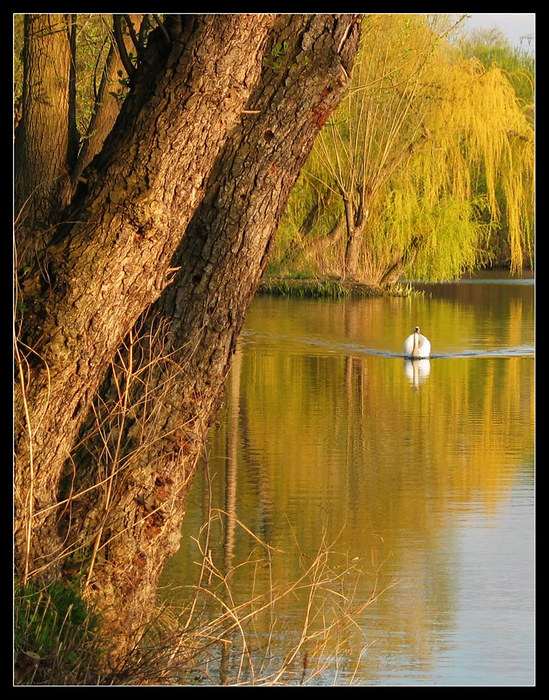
(326, 287)
(337, 288)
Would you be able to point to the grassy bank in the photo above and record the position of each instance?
(328, 288)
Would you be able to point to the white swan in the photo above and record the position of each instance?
(417, 345)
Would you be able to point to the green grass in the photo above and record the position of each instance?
(326, 288)
(55, 636)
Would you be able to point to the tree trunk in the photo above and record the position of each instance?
(303, 240)
(189, 336)
(355, 221)
(112, 259)
(45, 136)
(107, 105)
(401, 261)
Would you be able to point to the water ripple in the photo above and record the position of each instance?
(356, 348)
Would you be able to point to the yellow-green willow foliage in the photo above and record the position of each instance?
(490, 46)
(426, 157)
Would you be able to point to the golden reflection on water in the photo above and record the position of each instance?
(321, 441)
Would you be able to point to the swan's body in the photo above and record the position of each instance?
(417, 345)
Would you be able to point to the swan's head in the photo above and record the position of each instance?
(416, 329)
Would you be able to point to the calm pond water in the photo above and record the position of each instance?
(384, 511)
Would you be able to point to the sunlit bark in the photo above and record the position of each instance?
(176, 216)
(112, 258)
(174, 373)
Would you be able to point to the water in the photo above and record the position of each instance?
(399, 495)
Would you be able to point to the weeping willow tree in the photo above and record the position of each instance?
(428, 154)
(491, 46)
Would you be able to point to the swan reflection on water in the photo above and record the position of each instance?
(417, 371)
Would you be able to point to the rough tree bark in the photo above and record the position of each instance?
(112, 258)
(178, 367)
(46, 132)
(172, 144)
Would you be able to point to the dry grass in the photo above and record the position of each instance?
(214, 637)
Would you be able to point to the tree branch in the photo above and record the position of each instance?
(119, 38)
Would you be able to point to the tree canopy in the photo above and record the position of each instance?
(426, 167)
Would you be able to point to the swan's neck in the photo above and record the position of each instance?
(416, 344)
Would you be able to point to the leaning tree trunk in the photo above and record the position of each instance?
(113, 256)
(175, 374)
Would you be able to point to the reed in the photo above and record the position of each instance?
(309, 288)
(58, 640)
(240, 644)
